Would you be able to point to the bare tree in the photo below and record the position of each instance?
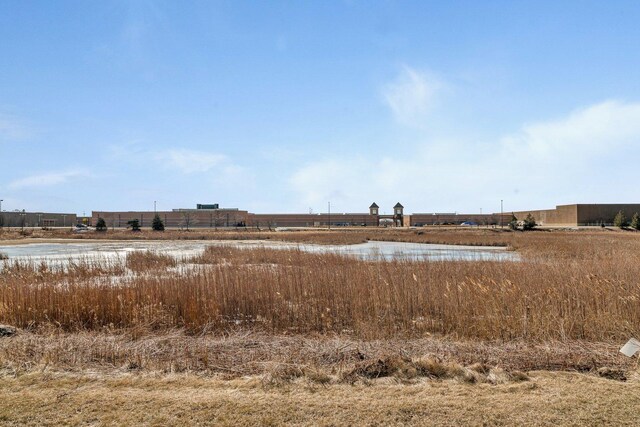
(188, 219)
(217, 221)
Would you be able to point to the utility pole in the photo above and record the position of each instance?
(501, 214)
(329, 222)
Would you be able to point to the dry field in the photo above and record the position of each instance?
(259, 336)
(42, 399)
(476, 236)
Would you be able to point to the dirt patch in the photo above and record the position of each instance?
(613, 373)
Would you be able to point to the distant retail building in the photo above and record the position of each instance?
(422, 219)
(579, 214)
(204, 216)
(212, 216)
(21, 219)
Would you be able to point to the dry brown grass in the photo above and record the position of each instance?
(346, 236)
(150, 261)
(41, 399)
(272, 337)
(246, 352)
(558, 241)
(569, 286)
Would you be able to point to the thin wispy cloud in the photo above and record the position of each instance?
(411, 96)
(12, 129)
(143, 18)
(599, 143)
(325, 180)
(180, 160)
(47, 179)
(599, 128)
(191, 161)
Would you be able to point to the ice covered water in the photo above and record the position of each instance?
(373, 250)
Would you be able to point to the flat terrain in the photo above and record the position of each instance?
(41, 399)
(269, 337)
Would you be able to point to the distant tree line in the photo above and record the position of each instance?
(621, 221)
(156, 225)
(529, 223)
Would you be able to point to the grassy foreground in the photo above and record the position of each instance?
(42, 399)
(265, 337)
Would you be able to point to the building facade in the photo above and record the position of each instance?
(176, 218)
(580, 214)
(211, 216)
(22, 219)
(422, 219)
(312, 220)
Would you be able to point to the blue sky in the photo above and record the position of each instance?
(285, 106)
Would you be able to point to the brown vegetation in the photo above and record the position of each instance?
(575, 287)
(297, 335)
(148, 261)
(43, 398)
(248, 353)
(538, 239)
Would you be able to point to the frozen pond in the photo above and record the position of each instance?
(112, 251)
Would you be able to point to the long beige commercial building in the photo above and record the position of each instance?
(211, 216)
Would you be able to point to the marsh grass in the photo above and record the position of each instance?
(45, 398)
(569, 286)
(244, 352)
(149, 261)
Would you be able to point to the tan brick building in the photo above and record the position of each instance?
(37, 219)
(422, 219)
(176, 218)
(207, 217)
(579, 214)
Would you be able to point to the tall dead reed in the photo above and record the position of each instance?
(567, 288)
